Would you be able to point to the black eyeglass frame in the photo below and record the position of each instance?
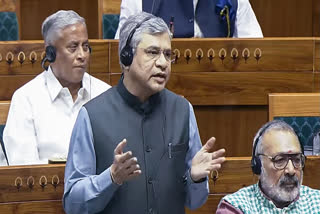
(288, 157)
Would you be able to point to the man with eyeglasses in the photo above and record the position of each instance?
(278, 159)
(136, 148)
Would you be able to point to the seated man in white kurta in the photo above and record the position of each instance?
(43, 111)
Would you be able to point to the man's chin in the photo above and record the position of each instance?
(157, 87)
(79, 70)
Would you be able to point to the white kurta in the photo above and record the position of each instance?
(41, 118)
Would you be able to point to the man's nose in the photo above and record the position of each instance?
(81, 53)
(162, 61)
(290, 169)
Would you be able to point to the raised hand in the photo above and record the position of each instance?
(125, 166)
(206, 160)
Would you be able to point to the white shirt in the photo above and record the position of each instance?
(41, 118)
(246, 23)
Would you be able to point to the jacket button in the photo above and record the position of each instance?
(190, 20)
(148, 149)
(150, 180)
(150, 210)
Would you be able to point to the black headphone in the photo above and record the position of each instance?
(126, 54)
(255, 160)
(51, 56)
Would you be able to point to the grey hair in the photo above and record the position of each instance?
(56, 22)
(149, 24)
(278, 125)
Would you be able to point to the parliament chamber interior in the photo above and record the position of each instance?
(234, 84)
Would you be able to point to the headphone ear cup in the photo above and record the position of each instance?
(256, 165)
(51, 53)
(126, 56)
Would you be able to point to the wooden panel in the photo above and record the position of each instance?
(35, 207)
(209, 207)
(316, 81)
(275, 55)
(233, 126)
(8, 5)
(36, 174)
(4, 109)
(294, 104)
(311, 171)
(9, 84)
(114, 57)
(114, 79)
(237, 88)
(31, 24)
(99, 56)
(234, 174)
(11, 50)
(35, 49)
(316, 17)
(111, 6)
(286, 54)
(317, 55)
(285, 17)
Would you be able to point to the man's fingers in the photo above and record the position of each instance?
(218, 153)
(119, 149)
(132, 168)
(214, 167)
(130, 162)
(218, 160)
(209, 144)
(134, 174)
(123, 157)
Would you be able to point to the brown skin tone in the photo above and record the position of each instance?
(72, 57)
(144, 78)
(277, 142)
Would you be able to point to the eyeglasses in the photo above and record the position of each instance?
(155, 53)
(281, 161)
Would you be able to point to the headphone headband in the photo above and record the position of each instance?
(126, 54)
(255, 160)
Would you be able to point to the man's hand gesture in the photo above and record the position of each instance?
(124, 167)
(206, 160)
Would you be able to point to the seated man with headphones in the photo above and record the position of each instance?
(141, 141)
(278, 159)
(43, 111)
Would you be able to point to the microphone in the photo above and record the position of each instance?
(226, 13)
(171, 26)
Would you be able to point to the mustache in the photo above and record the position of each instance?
(291, 180)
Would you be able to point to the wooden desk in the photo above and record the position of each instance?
(41, 186)
(40, 191)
